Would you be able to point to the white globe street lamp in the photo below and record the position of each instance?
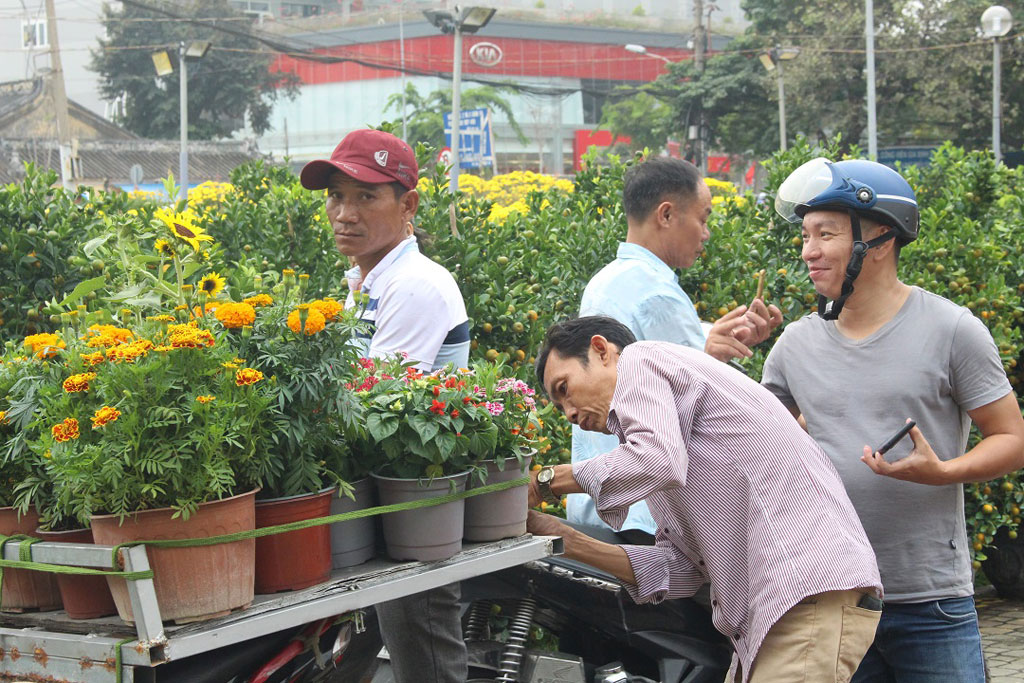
(996, 22)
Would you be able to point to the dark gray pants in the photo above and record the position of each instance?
(423, 635)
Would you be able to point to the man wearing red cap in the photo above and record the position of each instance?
(412, 305)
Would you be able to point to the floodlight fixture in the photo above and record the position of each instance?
(475, 18)
(197, 49)
(162, 63)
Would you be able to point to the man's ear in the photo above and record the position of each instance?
(602, 347)
(410, 201)
(662, 214)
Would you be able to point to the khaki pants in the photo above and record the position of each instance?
(819, 640)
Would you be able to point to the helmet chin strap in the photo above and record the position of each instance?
(831, 311)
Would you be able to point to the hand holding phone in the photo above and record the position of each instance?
(895, 438)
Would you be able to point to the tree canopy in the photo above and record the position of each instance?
(933, 80)
(233, 81)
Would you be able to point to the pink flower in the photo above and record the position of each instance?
(495, 408)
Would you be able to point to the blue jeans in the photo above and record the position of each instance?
(925, 642)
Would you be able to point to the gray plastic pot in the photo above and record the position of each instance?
(430, 533)
(502, 514)
(353, 542)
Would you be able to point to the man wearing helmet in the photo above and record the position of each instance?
(879, 351)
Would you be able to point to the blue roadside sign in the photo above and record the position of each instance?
(907, 156)
(476, 139)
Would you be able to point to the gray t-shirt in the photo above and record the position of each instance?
(932, 362)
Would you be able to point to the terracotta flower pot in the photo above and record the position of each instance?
(430, 533)
(85, 597)
(353, 542)
(24, 589)
(501, 514)
(191, 583)
(296, 559)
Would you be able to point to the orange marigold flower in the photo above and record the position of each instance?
(234, 315)
(66, 430)
(92, 358)
(129, 353)
(79, 382)
(206, 398)
(247, 376)
(44, 344)
(259, 300)
(315, 321)
(3, 417)
(329, 307)
(105, 415)
(107, 336)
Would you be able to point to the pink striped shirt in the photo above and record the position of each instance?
(743, 497)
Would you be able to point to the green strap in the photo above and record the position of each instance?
(119, 675)
(318, 521)
(26, 542)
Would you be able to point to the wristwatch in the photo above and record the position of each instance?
(544, 479)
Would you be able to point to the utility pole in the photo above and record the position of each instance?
(869, 33)
(60, 98)
(699, 45)
(183, 109)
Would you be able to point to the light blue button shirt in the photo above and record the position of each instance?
(639, 290)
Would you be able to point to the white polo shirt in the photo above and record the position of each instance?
(414, 306)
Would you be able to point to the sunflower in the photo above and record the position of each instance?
(182, 225)
(211, 284)
(164, 248)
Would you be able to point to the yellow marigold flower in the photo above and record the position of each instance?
(79, 382)
(105, 415)
(315, 322)
(205, 399)
(48, 454)
(129, 353)
(164, 248)
(190, 336)
(259, 300)
(288, 272)
(229, 366)
(161, 318)
(3, 417)
(328, 307)
(180, 307)
(162, 348)
(107, 336)
(66, 430)
(183, 226)
(235, 315)
(212, 284)
(247, 376)
(44, 344)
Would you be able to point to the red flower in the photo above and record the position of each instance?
(455, 413)
(438, 407)
(461, 384)
(386, 376)
(466, 400)
(437, 392)
(367, 363)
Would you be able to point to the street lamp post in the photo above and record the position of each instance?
(196, 49)
(772, 61)
(464, 20)
(996, 22)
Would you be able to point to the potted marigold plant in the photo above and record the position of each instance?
(512, 406)
(426, 431)
(305, 346)
(23, 367)
(156, 431)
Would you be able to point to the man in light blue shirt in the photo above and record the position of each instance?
(667, 206)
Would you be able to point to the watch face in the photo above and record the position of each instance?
(545, 475)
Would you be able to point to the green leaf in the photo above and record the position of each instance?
(426, 427)
(95, 243)
(84, 288)
(380, 426)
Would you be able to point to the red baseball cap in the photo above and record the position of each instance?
(369, 156)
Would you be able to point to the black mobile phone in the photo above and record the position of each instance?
(894, 439)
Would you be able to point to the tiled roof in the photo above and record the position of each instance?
(111, 161)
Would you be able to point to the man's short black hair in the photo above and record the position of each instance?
(650, 182)
(571, 338)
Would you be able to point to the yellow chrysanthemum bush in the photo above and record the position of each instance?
(131, 429)
(304, 345)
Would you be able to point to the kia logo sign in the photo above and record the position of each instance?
(485, 54)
